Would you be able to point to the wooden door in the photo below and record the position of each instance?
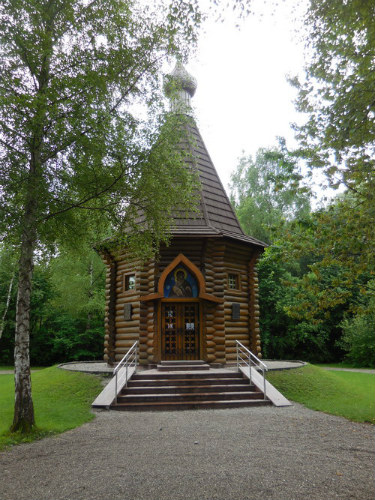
(180, 330)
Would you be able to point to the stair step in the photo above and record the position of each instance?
(173, 389)
(153, 397)
(190, 405)
(182, 362)
(181, 380)
(187, 387)
(186, 375)
(182, 367)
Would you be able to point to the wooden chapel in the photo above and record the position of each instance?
(200, 294)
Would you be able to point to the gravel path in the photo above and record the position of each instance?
(260, 453)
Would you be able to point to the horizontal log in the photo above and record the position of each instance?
(127, 326)
(124, 344)
(232, 329)
(125, 297)
(211, 358)
(220, 348)
(135, 309)
(238, 299)
(219, 340)
(229, 322)
(126, 336)
(240, 337)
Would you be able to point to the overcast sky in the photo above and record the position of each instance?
(243, 101)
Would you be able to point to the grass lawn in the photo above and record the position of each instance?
(62, 401)
(343, 364)
(347, 394)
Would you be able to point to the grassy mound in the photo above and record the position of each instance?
(62, 401)
(347, 394)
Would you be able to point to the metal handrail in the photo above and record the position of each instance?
(248, 359)
(130, 359)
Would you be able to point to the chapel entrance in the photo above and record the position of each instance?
(180, 330)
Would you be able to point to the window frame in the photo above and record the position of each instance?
(237, 280)
(125, 282)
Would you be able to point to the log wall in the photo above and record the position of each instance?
(255, 345)
(236, 262)
(215, 258)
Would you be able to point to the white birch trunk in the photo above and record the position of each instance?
(2, 324)
(23, 407)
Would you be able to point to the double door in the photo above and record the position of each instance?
(180, 330)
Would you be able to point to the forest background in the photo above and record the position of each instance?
(317, 276)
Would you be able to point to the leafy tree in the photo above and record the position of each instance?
(338, 139)
(337, 97)
(338, 91)
(72, 152)
(268, 191)
(358, 334)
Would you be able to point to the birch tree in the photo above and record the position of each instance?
(71, 150)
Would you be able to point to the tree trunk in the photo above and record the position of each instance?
(24, 409)
(2, 323)
(90, 295)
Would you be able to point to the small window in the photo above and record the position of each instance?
(129, 282)
(233, 282)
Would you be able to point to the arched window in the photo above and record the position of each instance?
(181, 283)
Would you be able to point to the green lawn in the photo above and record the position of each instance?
(347, 394)
(62, 401)
(343, 364)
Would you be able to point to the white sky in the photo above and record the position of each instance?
(243, 101)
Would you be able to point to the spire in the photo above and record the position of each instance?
(180, 87)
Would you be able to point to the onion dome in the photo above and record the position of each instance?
(180, 86)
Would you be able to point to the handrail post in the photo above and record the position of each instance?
(264, 383)
(250, 367)
(238, 358)
(136, 356)
(116, 388)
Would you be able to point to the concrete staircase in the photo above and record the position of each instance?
(177, 385)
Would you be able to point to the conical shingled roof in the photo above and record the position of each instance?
(215, 216)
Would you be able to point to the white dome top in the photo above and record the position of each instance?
(182, 79)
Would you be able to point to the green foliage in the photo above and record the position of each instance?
(359, 336)
(62, 401)
(285, 333)
(65, 97)
(338, 92)
(266, 192)
(338, 136)
(67, 309)
(346, 394)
